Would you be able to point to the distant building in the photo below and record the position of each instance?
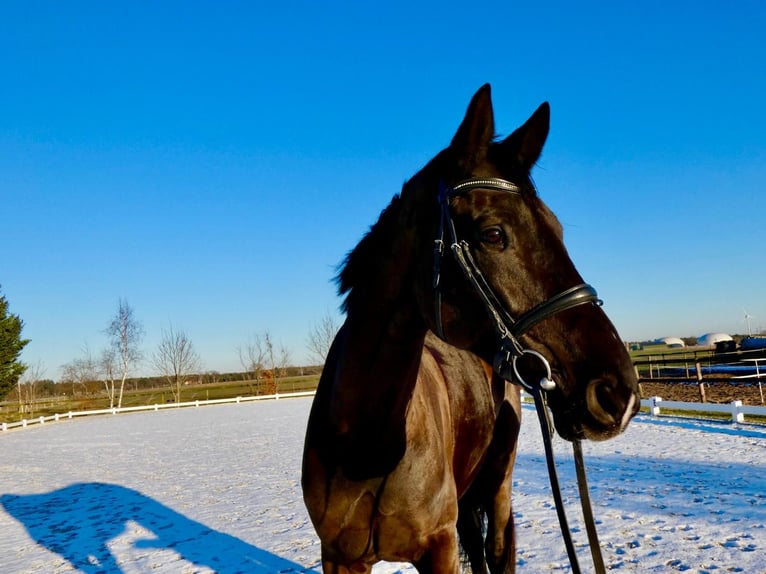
(711, 339)
(672, 342)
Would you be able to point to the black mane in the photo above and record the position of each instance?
(362, 260)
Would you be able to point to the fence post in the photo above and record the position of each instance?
(5, 427)
(700, 384)
(654, 406)
(736, 414)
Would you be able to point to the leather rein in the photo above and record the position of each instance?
(509, 331)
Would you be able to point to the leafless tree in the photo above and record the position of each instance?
(175, 359)
(27, 387)
(252, 357)
(278, 360)
(81, 371)
(264, 363)
(321, 336)
(125, 333)
(109, 366)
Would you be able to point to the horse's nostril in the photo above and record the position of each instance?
(604, 403)
(610, 405)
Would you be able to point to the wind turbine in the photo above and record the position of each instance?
(748, 316)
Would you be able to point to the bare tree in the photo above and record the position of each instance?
(27, 387)
(278, 360)
(264, 363)
(252, 358)
(81, 371)
(321, 336)
(175, 359)
(125, 333)
(109, 366)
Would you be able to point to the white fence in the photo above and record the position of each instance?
(735, 408)
(157, 407)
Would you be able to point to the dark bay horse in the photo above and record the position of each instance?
(412, 436)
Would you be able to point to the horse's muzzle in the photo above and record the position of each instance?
(610, 407)
(601, 410)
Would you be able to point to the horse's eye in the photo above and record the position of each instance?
(492, 235)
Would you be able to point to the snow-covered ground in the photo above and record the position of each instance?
(217, 489)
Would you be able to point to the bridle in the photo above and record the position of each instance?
(509, 331)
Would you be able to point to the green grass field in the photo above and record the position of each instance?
(226, 390)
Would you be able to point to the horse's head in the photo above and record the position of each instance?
(515, 243)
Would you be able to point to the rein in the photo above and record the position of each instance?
(509, 331)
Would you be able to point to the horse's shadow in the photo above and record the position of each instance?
(81, 521)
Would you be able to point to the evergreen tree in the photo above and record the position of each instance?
(11, 345)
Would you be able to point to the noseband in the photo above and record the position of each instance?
(509, 331)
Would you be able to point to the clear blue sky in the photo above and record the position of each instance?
(212, 162)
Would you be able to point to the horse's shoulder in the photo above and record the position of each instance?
(454, 361)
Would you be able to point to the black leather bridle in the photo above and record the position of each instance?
(509, 331)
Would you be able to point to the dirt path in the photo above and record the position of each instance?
(714, 392)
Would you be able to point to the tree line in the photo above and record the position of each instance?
(11, 345)
(175, 361)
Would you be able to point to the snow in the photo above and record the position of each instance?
(217, 489)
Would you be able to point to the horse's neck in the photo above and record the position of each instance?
(374, 368)
(377, 366)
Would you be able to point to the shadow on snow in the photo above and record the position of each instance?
(84, 523)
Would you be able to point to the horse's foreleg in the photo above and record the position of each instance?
(329, 566)
(501, 540)
(442, 557)
(469, 529)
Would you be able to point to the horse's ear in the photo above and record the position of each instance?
(526, 144)
(475, 133)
